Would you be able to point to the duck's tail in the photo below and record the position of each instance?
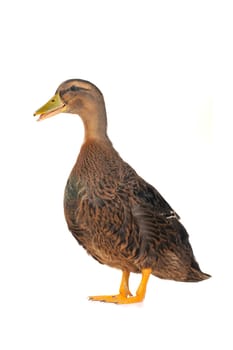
(173, 267)
(196, 276)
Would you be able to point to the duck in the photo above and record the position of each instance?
(115, 215)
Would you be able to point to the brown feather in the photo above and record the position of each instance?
(120, 219)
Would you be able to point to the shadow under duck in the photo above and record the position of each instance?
(120, 219)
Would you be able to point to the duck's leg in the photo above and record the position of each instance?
(125, 297)
(124, 287)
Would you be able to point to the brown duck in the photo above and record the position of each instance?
(120, 219)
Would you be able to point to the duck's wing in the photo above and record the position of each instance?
(148, 197)
(155, 217)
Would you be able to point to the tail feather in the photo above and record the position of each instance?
(196, 276)
(173, 267)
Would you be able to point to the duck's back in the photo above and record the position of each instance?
(122, 221)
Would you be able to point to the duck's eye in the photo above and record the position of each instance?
(74, 88)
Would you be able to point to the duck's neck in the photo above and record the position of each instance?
(95, 127)
(95, 123)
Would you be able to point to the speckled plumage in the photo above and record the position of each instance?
(120, 219)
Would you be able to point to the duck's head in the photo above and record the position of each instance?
(78, 97)
(72, 96)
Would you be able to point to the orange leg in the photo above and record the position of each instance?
(125, 297)
(124, 287)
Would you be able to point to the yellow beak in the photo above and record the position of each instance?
(51, 108)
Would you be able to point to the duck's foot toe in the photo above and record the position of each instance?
(117, 299)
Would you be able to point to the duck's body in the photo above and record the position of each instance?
(120, 220)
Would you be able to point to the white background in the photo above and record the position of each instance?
(165, 69)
